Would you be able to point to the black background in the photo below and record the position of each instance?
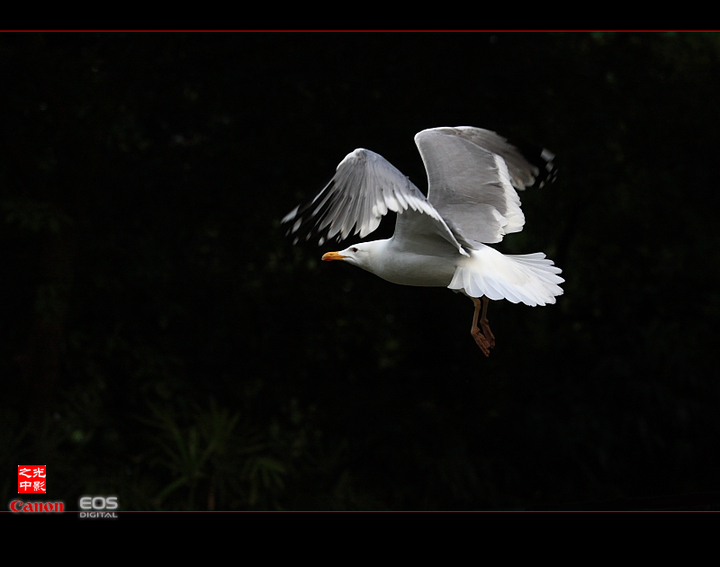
(163, 341)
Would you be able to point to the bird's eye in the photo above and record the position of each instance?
(353, 249)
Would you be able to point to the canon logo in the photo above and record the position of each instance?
(36, 507)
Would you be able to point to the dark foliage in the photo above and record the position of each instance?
(163, 341)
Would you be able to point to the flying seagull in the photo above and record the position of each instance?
(440, 240)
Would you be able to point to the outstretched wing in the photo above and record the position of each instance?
(473, 175)
(364, 188)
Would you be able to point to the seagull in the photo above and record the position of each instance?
(440, 240)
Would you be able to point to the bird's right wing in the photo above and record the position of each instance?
(473, 175)
(364, 188)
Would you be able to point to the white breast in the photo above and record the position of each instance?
(408, 268)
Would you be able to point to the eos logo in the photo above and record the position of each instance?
(99, 505)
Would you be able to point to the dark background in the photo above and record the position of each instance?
(162, 340)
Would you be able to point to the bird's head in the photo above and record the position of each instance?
(357, 255)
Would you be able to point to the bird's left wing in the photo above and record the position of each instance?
(364, 188)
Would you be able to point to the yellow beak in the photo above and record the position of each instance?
(332, 256)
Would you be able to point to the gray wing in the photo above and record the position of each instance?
(364, 188)
(473, 175)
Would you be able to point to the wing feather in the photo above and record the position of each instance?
(364, 188)
(473, 175)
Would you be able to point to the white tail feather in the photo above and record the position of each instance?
(529, 278)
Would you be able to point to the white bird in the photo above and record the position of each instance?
(439, 240)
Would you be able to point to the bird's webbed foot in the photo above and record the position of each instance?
(482, 341)
(485, 338)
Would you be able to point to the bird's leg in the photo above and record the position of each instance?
(484, 341)
(485, 324)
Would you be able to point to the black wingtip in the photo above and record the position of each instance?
(542, 159)
(303, 221)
